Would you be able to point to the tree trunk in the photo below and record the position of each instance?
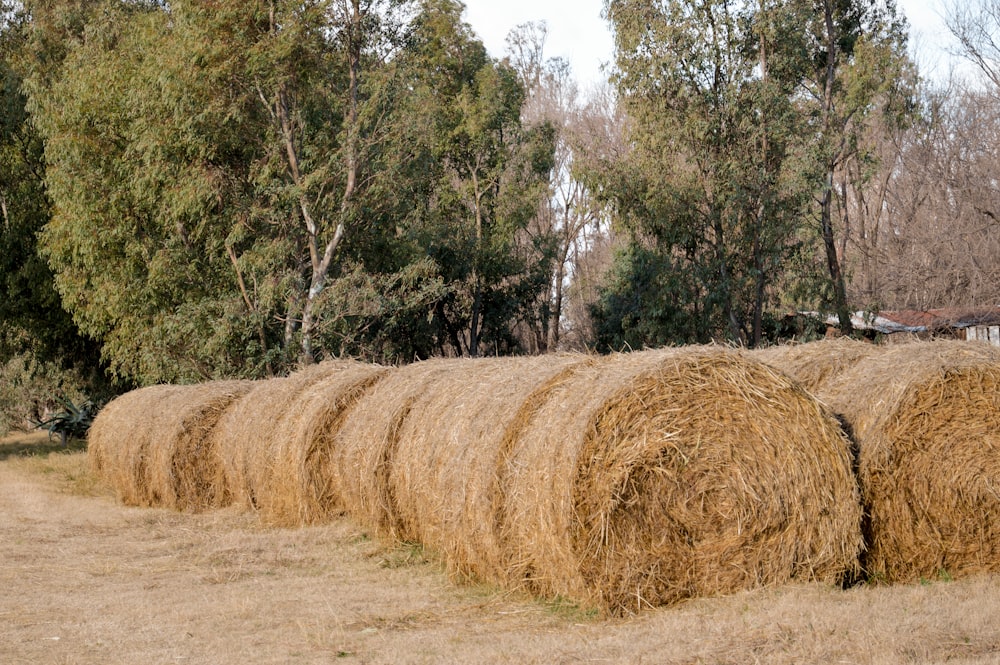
(760, 279)
(477, 299)
(826, 213)
(833, 262)
(555, 315)
(320, 262)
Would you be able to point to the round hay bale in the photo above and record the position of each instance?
(656, 476)
(926, 417)
(120, 439)
(185, 473)
(364, 447)
(302, 487)
(815, 364)
(444, 473)
(152, 446)
(269, 442)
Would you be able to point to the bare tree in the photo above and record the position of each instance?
(567, 215)
(976, 26)
(937, 205)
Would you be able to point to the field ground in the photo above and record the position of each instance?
(85, 580)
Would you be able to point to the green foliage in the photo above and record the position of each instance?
(28, 300)
(483, 175)
(647, 301)
(383, 317)
(716, 180)
(175, 241)
(741, 115)
(27, 386)
(42, 352)
(238, 185)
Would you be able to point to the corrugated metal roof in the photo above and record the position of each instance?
(869, 321)
(949, 317)
(920, 321)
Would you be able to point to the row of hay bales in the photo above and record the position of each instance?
(926, 420)
(619, 482)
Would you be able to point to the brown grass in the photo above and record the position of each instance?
(270, 442)
(927, 419)
(90, 582)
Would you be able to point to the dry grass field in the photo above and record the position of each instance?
(86, 580)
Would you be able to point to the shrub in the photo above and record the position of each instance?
(29, 391)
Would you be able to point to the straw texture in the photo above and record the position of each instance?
(658, 476)
(269, 441)
(153, 445)
(621, 482)
(926, 417)
(816, 364)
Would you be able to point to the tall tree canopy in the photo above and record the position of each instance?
(738, 117)
(240, 186)
(487, 173)
(715, 183)
(43, 355)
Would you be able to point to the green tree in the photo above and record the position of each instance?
(240, 187)
(860, 76)
(42, 353)
(488, 173)
(209, 163)
(743, 113)
(139, 191)
(715, 181)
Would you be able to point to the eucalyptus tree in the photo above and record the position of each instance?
(861, 77)
(42, 353)
(486, 172)
(239, 187)
(714, 187)
(207, 162)
(745, 117)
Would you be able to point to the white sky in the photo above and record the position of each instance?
(578, 33)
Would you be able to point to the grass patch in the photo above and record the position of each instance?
(64, 467)
(67, 470)
(404, 555)
(569, 610)
(942, 576)
(36, 444)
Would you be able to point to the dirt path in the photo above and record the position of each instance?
(84, 580)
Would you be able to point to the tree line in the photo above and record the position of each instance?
(204, 189)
